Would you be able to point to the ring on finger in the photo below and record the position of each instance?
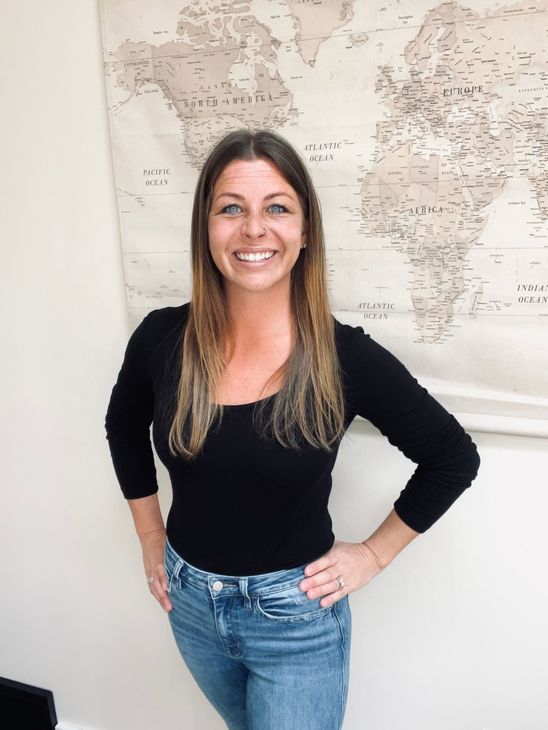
(341, 582)
(150, 580)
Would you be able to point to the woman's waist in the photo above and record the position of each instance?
(259, 583)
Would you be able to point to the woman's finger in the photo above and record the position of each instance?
(163, 584)
(162, 577)
(315, 584)
(158, 588)
(333, 597)
(326, 588)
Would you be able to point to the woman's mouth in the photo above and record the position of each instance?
(255, 257)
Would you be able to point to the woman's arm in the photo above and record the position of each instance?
(129, 415)
(149, 525)
(389, 539)
(384, 392)
(381, 389)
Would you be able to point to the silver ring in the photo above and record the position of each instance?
(150, 580)
(341, 582)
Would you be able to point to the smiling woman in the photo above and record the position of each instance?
(259, 321)
(256, 241)
(250, 387)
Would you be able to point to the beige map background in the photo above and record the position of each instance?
(425, 128)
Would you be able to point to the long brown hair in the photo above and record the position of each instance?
(310, 404)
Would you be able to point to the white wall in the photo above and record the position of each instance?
(452, 635)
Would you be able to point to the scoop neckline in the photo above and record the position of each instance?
(247, 405)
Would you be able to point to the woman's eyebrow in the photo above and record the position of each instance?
(266, 197)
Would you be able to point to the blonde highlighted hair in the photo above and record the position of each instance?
(310, 404)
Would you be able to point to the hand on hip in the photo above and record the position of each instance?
(344, 569)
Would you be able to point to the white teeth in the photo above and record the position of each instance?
(254, 256)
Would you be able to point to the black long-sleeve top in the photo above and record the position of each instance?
(247, 505)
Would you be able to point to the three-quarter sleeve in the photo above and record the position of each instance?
(128, 418)
(384, 392)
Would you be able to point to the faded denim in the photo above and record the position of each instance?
(265, 655)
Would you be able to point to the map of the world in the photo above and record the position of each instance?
(425, 130)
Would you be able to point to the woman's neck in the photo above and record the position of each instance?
(259, 316)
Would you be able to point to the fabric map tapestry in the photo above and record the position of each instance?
(425, 130)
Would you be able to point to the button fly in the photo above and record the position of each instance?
(217, 585)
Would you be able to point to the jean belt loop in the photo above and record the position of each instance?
(243, 591)
(174, 575)
(176, 570)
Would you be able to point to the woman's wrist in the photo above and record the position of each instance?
(151, 536)
(147, 517)
(389, 539)
(374, 555)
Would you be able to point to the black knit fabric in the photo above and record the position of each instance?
(246, 505)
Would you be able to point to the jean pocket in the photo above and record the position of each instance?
(291, 604)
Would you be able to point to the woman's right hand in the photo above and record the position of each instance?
(153, 546)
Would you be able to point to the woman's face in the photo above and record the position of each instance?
(256, 227)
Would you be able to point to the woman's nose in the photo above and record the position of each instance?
(254, 226)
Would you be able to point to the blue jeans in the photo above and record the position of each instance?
(265, 655)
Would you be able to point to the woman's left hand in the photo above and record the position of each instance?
(355, 562)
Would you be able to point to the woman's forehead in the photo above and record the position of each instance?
(255, 172)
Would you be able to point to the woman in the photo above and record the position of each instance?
(250, 388)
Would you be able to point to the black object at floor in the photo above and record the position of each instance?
(24, 707)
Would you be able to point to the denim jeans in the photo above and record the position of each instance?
(265, 655)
